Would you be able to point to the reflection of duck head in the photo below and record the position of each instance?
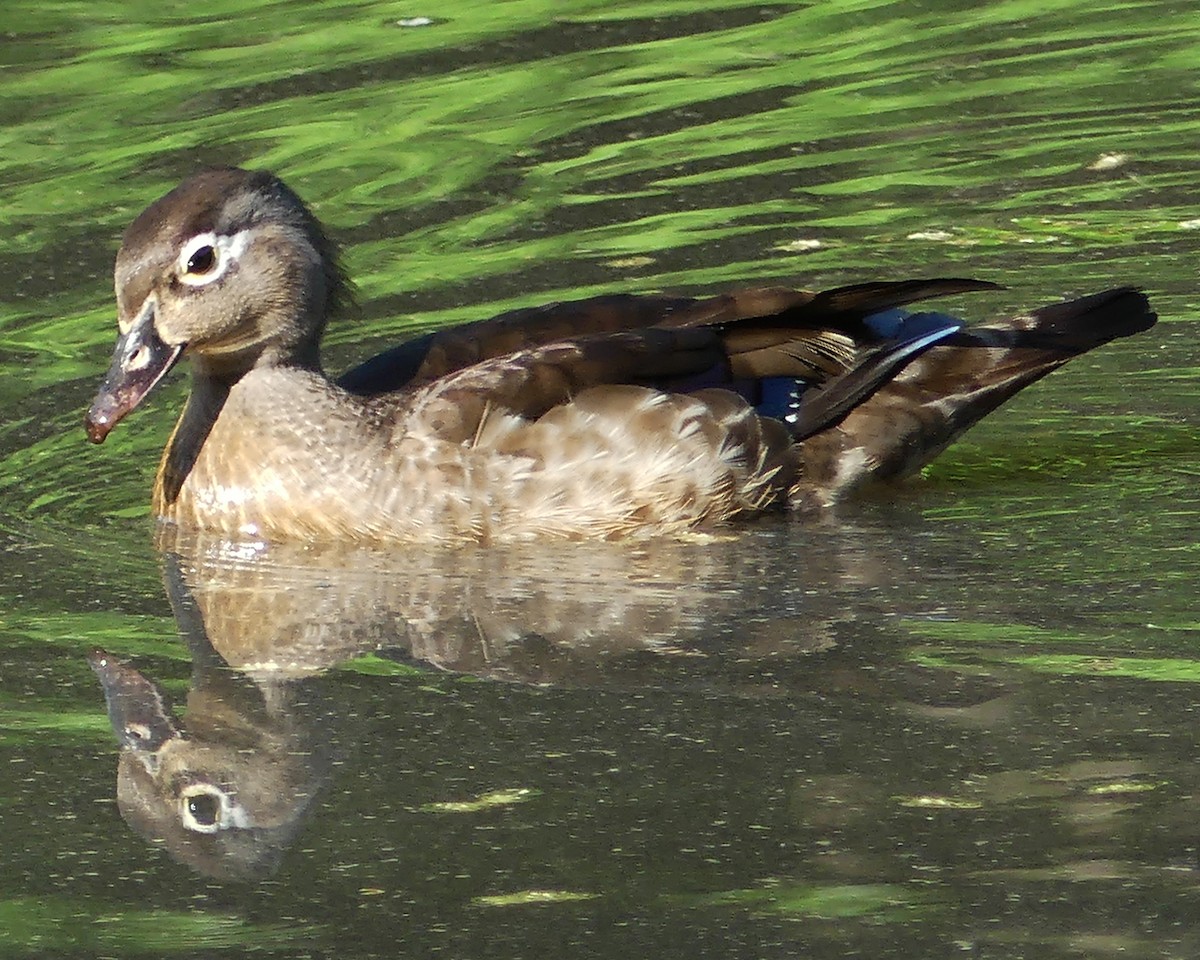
(227, 792)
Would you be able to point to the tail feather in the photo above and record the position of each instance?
(908, 421)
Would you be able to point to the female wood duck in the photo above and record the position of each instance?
(608, 417)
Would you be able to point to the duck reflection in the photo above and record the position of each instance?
(575, 614)
(227, 789)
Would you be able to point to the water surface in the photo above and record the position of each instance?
(954, 719)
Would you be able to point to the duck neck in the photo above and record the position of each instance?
(214, 370)
(203, 406)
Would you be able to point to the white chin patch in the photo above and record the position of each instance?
(206, 256)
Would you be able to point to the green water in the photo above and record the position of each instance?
(956, 721)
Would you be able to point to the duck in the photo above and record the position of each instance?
(616, 416)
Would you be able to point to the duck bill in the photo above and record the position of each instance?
(140, 360)
(137, 709)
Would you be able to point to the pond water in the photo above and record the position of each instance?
(957, 719)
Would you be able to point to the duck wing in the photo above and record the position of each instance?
(435, 355)
(840, 345)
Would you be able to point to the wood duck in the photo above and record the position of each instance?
(601, 418)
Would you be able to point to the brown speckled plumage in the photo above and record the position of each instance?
(603, 418)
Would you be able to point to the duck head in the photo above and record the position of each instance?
(230, 270)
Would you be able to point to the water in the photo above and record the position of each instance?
(954, 720)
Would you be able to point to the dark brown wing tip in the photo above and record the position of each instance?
(869, 298)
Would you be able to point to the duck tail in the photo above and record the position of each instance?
(943, 392)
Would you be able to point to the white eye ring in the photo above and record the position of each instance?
(221, 812)
(221, 252)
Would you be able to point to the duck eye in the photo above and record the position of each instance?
(202, 260)
(206, 256)
(204, 810)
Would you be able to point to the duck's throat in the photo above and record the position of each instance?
(204, 405)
